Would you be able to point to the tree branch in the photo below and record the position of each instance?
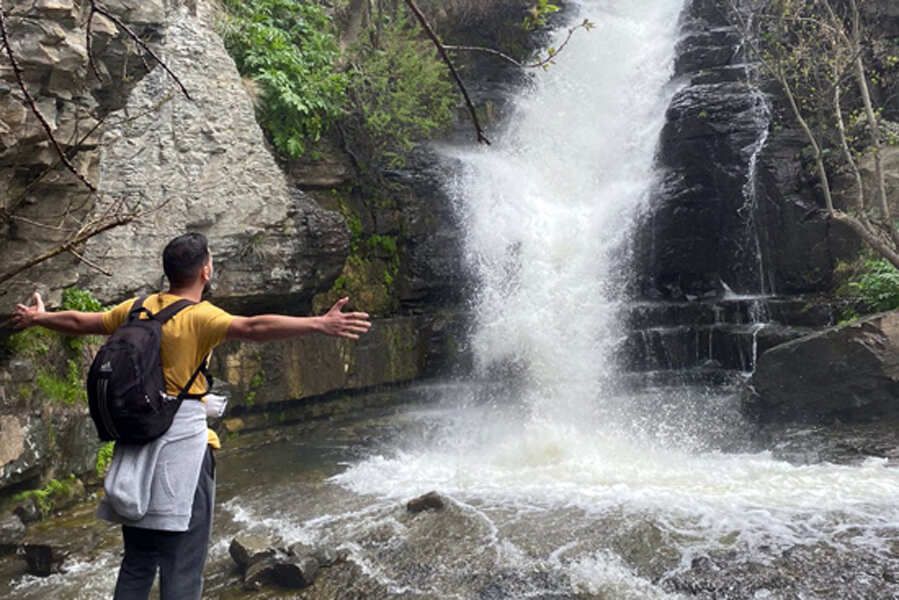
(69, 245)
(441, 49)
(32, 105)
(89, 41)
(586, 25)
(99, 9)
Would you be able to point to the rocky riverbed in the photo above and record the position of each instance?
(805, 512)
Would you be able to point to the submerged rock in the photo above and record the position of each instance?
(849, 372)
(429, 501)
(43, 559)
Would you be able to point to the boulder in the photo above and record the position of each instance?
(263, 564)
(294, 572)
(258, 574)
(43, 559)
(429, 501)
(849, 372)
(247, 549)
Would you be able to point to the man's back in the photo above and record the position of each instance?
(187, 338)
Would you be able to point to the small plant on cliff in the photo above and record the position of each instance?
(289, 49)
(874, 284)
(68, 389)
(52, 494)
(104, 458)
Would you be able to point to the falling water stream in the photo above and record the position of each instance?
(563, 478)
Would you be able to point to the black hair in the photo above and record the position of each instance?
(183, 258)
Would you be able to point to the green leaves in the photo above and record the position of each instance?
(875, 285)
(77, 299)
(399, 94)
(290, 50)
(538, 13)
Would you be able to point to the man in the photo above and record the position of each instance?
(162, 492)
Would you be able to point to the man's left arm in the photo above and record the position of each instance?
(69, 322)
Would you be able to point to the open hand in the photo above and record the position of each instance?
(24, 315)
(346, 325)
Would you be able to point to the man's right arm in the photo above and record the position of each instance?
(264, 328)
(70, 322)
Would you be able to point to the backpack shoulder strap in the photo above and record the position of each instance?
(185, 391)
(138, 307)
(172, 309)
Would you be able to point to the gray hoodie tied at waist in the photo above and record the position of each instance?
(152, 486)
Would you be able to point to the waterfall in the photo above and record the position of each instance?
(545, 441)
(550, 207)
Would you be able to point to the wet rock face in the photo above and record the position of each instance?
(849, 373)
(697, 231)
(801, 246)
(706, 224)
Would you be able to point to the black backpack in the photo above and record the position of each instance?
(125, 384)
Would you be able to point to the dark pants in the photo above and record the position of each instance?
(179, 556)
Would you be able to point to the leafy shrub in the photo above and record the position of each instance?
(874, 283)
(289, 49)
(399, 93)
(77, 299)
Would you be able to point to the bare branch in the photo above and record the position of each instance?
(441, 49)
(586, 25)
(847, 152)
(89, 41)
(90, 263)
(69, 245)
(32, 105)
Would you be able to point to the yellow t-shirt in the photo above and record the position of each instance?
(187, 338)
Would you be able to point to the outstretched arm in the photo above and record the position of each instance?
(264, 328)
(70, 322)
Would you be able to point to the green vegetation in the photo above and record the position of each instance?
(53, 494)
(104, 458)
(74, 298)
(370, 270)
(31, 343)
(68, 389)
(255, 383)
(59, 359)
(872, 283)
(290, 50)
(399, 93)
(78, 299)
(386, 92)
(538, 14)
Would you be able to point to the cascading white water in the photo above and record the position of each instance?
(549, 211)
